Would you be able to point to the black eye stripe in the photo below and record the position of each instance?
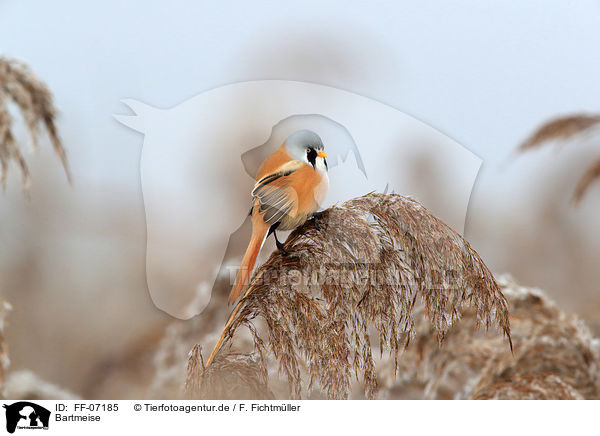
(311, 155)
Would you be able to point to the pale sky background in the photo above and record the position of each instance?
(484, 73)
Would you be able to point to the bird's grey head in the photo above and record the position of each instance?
(306, 146)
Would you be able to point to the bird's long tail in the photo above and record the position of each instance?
(259, 233)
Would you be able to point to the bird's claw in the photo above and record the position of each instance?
(316, 219)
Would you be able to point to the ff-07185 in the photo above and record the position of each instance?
(96, 407)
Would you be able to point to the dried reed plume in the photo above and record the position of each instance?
(353, 282)
(592, 174)
(530, 387)
(34, 100)
(230, 376)
(560, 128)
(564, 128)
(550, 342)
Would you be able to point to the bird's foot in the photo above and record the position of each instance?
(316, 219)
(281, 247)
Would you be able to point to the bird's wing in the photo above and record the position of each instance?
(275, 196)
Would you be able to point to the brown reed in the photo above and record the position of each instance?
(355, 281)
(19, 85)
(563, 128)
(555, 355)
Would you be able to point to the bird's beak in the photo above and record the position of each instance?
(321, 153)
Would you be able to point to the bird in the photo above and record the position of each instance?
(291, 184)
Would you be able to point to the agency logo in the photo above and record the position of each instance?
(26, 415)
